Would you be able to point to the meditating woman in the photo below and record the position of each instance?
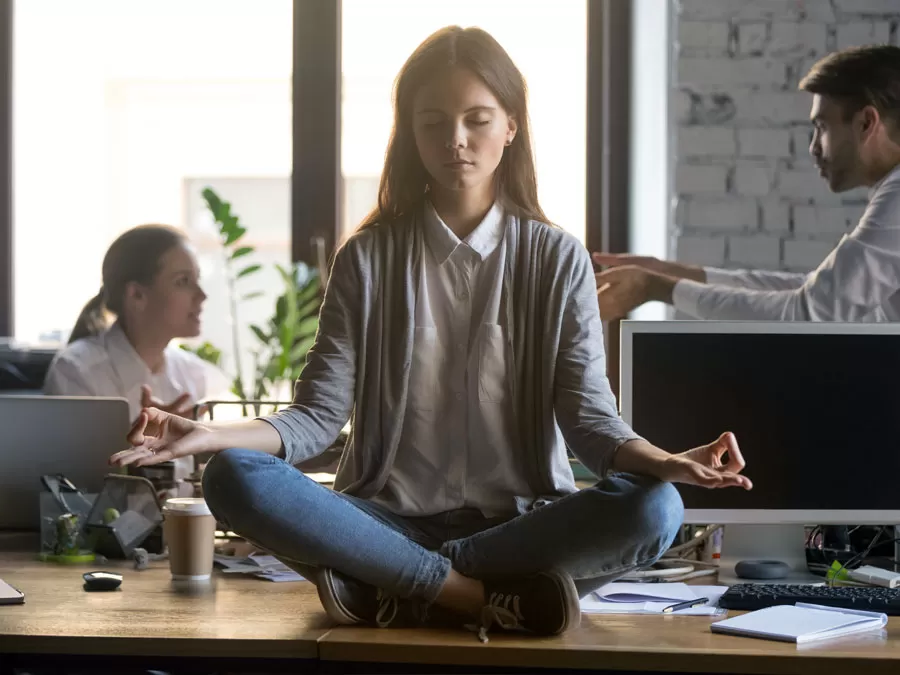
(460, 330)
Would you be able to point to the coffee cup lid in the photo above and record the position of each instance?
(187, 506)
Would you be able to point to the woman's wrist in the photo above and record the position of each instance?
(639, 456)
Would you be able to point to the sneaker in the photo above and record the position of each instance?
(348, 601)
(545, 604)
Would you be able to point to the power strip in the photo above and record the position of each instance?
(875, 576)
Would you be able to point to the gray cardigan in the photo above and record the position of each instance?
(359, 364)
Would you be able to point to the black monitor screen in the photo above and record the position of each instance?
(816, 416)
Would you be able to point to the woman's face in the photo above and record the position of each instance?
(460, 129)
(172, 304)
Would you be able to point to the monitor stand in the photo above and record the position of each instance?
(786, 543)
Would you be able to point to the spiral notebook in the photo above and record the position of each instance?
(800, 623)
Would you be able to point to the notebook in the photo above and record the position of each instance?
(636, 598)
(800, 623)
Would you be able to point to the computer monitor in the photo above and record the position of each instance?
(815, 408)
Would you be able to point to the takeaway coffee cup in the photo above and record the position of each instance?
(189, 529)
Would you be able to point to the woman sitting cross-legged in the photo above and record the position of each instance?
(461, 331)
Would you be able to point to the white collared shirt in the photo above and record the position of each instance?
(107, 365)
(456, 446)
(858, 281)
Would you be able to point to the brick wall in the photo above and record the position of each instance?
(747, 192)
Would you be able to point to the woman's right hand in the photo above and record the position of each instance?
(158, 436)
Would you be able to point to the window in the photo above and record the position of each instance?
(123, 112)
(546, 40)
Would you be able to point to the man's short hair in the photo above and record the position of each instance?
(858, 77)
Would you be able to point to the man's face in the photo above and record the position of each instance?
(836, 144)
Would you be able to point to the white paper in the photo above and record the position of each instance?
(259, 565)
(800, 623)
(594, 605)
(636, 592)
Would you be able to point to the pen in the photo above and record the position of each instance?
(687, 604)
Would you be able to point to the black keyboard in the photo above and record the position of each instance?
(757, 596)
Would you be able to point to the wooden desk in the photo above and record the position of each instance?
(245, 619)
(235, 617)
(677, 644)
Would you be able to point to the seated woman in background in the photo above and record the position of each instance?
(151, 286)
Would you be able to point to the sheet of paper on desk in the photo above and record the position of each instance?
(263, 566)
(652, 599)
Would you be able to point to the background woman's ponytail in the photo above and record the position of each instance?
(92, 320)
(132, 258)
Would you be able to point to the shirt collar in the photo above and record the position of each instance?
(875, 188)
(483, 240)
(125, 360)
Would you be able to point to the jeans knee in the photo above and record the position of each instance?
(224, 480)
(664, 510)
(654, 513)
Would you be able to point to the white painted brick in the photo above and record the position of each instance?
(706, 10)
(882, 7)
(864, 33)
(701, 250)
(797, 39)
(799, 184)
(762, 108)
(776, 216)
(731, 214)
(809, 220)
(681, 106)
(805, 254)
(818, 10)
(801, 137)
(764, 142)
(752, 38)
(758, 250)
(708, 35)
(692, 179)
(727, 72)
(752, 181)
(697, 141)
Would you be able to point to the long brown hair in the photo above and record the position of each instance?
(404, 179)
(133, 257)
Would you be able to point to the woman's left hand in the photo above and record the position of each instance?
(703, 465)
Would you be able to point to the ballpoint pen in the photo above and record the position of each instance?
(687, 604)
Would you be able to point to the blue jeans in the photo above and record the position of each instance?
(595, 535)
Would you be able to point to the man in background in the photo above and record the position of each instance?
(856, 142)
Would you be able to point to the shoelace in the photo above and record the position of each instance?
(386, 603)
(498, 611)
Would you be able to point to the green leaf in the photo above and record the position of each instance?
(307, 327)
(298, 353)
(260, 333)
(249, 270)
(242, 251)
(311, 308)
(253, 295)
(234, 234)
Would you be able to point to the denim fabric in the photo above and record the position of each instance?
(595, 535)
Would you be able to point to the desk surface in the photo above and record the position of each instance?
(251, 618)
(149, 616)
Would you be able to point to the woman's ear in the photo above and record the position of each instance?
(512, 128)
(135, 295)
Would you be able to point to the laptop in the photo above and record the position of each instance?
(40, 435)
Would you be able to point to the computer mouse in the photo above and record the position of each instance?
(102, 581)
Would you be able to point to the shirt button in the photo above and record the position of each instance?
(460, 346)
(459, 396)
